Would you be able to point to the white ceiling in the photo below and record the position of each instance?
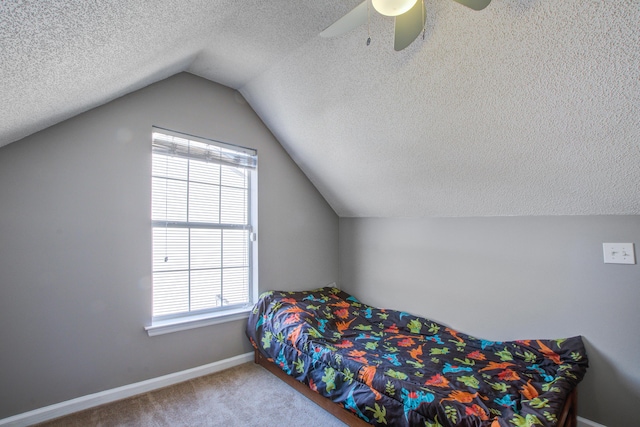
(529, 107)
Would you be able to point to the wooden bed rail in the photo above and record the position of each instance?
(568, 416)
(338, 411)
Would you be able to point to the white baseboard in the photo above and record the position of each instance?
(583, 422)
(89, 401)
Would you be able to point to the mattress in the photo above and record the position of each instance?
(392, 368)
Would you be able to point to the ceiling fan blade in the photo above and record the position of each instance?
(409, 25)
(474, 4)
(348, 22)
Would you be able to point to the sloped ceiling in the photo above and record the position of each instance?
(529, 107)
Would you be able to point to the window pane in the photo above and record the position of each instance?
(169, 167)
(170, 249)
(169, 200)
(233, 177)
(236, 286)
(170, 292)
(233, 203)
(204, 203)
(206, 289)
(203, 172)
(206, 248)
(236, 248)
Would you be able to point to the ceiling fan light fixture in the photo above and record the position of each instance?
(393, 7)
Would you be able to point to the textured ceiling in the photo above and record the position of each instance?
(529, 107)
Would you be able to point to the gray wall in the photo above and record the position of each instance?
(513, 278)
(75, 250)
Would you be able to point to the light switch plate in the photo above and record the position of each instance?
(618, 253)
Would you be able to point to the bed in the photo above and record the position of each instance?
(372, 366)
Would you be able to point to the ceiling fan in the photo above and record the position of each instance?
(410, 17)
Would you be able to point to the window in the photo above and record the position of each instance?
(203, 216)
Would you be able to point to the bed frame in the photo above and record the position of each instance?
(568, 416)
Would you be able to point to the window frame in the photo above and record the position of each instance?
(197, 318)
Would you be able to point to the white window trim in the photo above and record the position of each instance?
(186, 322)
(183, 323)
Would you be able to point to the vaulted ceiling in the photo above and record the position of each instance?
(529, 107)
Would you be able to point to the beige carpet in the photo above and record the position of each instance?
(246, 395)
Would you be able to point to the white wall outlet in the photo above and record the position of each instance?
(619, 253)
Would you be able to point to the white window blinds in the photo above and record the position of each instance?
(202, 224)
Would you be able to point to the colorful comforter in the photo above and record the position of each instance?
(393, 368)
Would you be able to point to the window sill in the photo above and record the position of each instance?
(191, 322)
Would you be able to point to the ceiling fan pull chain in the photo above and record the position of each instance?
(424, 25)
(368, 23)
